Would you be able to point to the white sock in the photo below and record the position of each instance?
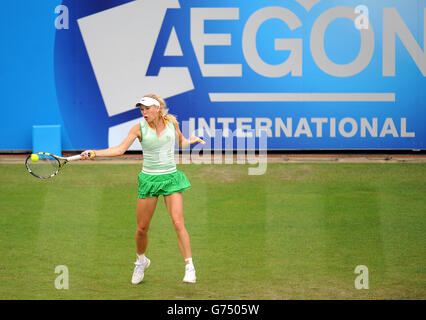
(141, 257)
(188, 262)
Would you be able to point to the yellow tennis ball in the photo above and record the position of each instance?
(34, 157)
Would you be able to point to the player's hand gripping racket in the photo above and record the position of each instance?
(44, 165)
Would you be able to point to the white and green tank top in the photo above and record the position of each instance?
(158, 151)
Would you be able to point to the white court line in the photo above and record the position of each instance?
(301, 97)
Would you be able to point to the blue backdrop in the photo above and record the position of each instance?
(314, 74)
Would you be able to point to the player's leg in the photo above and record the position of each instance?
(174, 204)
(144, 213)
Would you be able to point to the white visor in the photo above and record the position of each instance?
(147, 101)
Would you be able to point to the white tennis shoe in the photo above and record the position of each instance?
(139, 271)
(190, 274)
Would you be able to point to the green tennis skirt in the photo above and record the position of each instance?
(163, 184)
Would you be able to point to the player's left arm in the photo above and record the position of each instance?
(184, 142)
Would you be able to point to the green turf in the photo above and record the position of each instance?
(296, 232)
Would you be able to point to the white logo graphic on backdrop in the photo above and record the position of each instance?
(120, 42)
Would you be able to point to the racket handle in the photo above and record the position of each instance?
(77, 157)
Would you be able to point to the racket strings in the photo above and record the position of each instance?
(46, 166)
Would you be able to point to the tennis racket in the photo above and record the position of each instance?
(44, 165)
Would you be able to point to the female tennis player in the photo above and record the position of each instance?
(157, 133)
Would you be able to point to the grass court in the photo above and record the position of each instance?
(296, 232)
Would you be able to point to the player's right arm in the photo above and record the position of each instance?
(134, 133)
